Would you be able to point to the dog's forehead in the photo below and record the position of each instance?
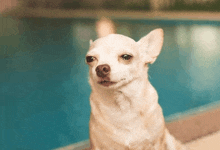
(114, 42)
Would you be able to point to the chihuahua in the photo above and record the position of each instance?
(125, 114)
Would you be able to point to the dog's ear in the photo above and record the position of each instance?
(90, 42)
(151, 44)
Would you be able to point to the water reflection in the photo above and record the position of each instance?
(205, 40)
(205, 61)
(82, 33)
(205, 57)
(199, 43)
(182, 36)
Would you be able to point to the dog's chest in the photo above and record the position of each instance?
(118, 108)
(123, 103)
(125, 118)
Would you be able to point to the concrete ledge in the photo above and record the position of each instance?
(205, 143)
(197, 123)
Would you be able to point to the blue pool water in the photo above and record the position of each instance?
(44, 90)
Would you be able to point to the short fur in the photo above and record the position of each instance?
(125, 114)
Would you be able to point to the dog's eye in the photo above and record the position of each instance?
(126, 57)
(90, 59)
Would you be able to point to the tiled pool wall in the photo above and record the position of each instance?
(44, 90)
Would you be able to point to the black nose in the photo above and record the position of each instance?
(102, 70)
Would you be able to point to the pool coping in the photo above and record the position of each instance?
(186, 126)
(196, 123)
(121, 14)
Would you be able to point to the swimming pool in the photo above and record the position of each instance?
(44, 81)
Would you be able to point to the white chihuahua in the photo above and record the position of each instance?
(125, 114)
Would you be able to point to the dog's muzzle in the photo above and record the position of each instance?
(102, 70)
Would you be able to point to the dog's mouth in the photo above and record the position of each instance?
(106, 82)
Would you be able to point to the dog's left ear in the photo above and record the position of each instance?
(151, 44)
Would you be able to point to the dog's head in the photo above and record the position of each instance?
(116, 60)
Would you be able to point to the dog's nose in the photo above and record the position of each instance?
(102, 70)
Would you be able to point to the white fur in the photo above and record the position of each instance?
(126, 115)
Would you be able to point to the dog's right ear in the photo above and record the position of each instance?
(151, 44)
(90, 42)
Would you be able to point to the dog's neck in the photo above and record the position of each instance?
(137, 96)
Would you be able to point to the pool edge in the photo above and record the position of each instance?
(195, 123)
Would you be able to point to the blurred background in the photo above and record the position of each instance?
(44, 90)
(146, 5)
